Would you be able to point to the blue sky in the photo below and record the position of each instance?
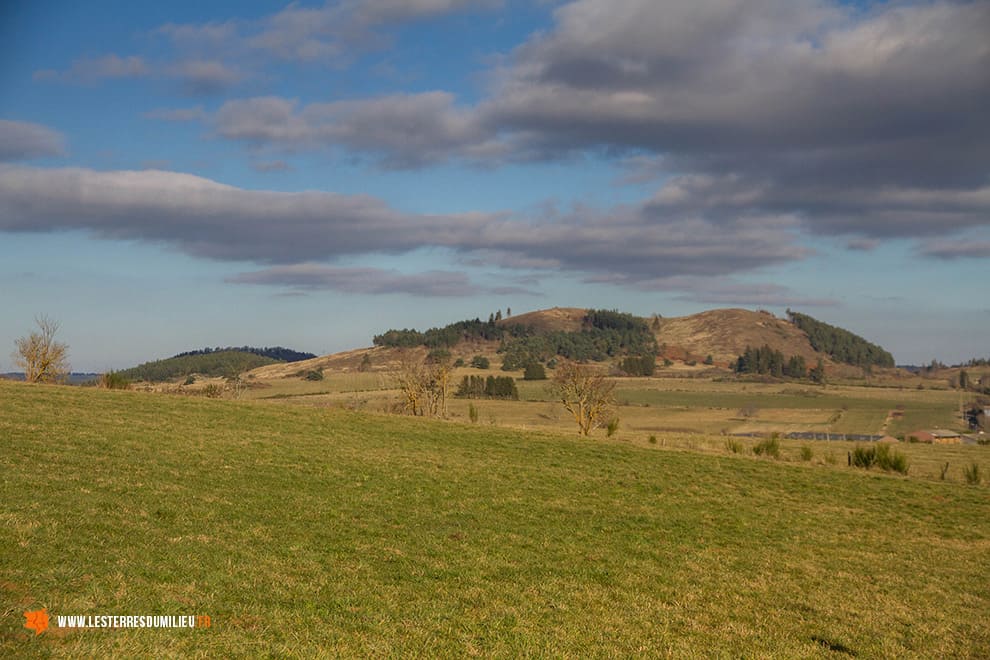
(179, 175)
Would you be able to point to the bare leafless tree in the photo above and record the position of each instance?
(410, 378)
(585, 393)
(425, 385)
(40, 355)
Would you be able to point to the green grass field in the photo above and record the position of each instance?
(666, 405)
(305, 531)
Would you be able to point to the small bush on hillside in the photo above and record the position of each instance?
(806, 453)
(438, 356)
(459, 362)
(612, 427)
(190, 380)
(890, 460)
(770, 447)
(863, 457)
(316, 374)
(534, 371)
(480, 362)
(733, 446)
(213, 391)
(638, 366)
(653, 439)
(365, 363)
(882, 456)
(972, 474)
(113, 380)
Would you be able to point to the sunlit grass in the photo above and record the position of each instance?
(322, 532)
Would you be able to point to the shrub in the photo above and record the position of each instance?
(438, 356)
(769, 447)
(863, 457)
(113, 380)
(653, 439)
(190, 380)
(733, 446)
(806, 453)
(972, 474)
(534, 371)
(316, 374)
(612, 427)
(480, 362)
(890, 460)
(213, 391)
(709, 360)
(638, 366)
(667, 362)
(459, 362)
(882, 456)
(365, 363)
(472, 413)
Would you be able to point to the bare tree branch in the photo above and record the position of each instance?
(43, 359)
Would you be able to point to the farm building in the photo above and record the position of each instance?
(935, 436)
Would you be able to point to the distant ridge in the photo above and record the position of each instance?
(274, 352)
(714, 338)
(225, 362)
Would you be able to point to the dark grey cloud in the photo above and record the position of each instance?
(957, 249)
(408, 130)
(208, 219)
(366, 280)
(863, 244)
(718, 290)
(23, 140)
(868, 122)
(864, 123)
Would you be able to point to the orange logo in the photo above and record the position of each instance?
(37, 621)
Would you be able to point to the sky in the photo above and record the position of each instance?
(188, 174)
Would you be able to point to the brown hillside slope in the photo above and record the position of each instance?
(722, 333)
(559, 319)
(725, 333)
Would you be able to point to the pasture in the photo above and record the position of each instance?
(307, 530)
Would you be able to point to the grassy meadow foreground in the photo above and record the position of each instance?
(308, 530)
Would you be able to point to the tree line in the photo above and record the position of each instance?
(770, 362)
(840, 344)
(450, 335)
(274, 352)
(604, 334)
(492, 387)
(213, 363)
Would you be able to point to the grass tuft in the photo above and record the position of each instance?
(769, 447)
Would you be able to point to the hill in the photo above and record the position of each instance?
(215, 363)
(305, 532)
(725, 333)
